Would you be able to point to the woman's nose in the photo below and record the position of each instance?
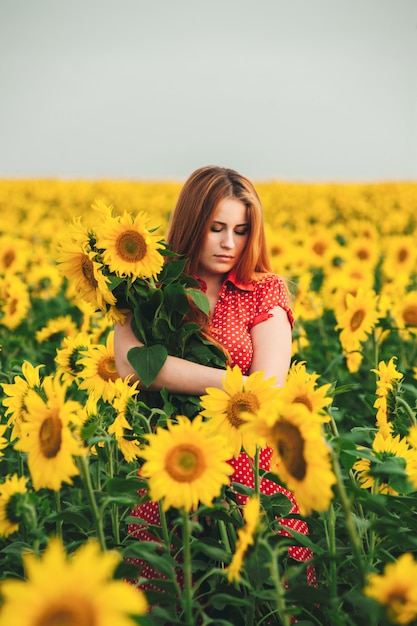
(228, 240)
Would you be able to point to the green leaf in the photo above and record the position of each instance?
(212, 550)
(123, 485)
(75, 519)
(114, 281)
(175, 295)
(147, 361)
(200, 299)
(171, 271)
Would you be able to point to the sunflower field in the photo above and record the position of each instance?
(73, 434)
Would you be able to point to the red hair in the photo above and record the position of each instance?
(193, 214)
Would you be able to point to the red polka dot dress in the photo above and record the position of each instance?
(239, 308)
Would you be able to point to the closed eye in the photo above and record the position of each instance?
(240, 230)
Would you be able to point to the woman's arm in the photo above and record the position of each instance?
(177, 375)
(272, 346)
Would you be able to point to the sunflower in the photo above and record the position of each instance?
(386, 447)
(387, 384)
(412, 437)
(86, 274)
(301, 456)
(4, 442)
(128, 247)
(359, 318)
(400, 255)
(100, 373)
(46, 435)
(226, 407)
(72, 591)
(395, 589)
(404, 312)
(308, 305)
(365, 250)
(301, 387)
(186, 464)
(353, 360)
(319, 247)
(123, 398)
(14, 255)
(128, 447)
(14, 301)
(62, 326)
(44, 280)
(16, 392)
(387, 376)
(12, 485)
(68, 356)
(251, 514)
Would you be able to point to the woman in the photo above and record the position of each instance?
(217, 225)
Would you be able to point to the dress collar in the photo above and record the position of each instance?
(230, 278)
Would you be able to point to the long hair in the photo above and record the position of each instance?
(192, 216)
(193, 213)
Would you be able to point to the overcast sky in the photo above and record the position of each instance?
(307, 90)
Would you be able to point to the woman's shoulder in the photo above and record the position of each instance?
(262, 280)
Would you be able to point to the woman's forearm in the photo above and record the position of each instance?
(177, 375)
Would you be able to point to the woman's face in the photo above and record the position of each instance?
(225, 239)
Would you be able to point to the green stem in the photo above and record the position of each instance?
(187, 569)
(85, 473)
(167, 540)
(376, 349)
(350, 526)
(279, 587)
(57, 495)
(411, 414)
(257, 483)
(114, 511)
(332, 550)
(224, 535)
(164, 525)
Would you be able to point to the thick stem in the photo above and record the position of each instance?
(279, 587)
(187, 569)
(257, 481)
(350, 526)
(114, 511)
(58, 510)
(85, 473)
(411, 414)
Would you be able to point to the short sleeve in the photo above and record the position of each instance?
(270, 292)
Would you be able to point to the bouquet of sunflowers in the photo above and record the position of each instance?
(121, 265)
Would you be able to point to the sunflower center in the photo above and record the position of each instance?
(87, 269)
(410, 315)
(243, 401)
(304, 400)
(9, 258)
(107, 368)
(67, 612)
(402, 255)
(74, 366)
(319, 247)
(131, 246)
(13, 306)
(357, 319)
(50, 436)
(185, 463)
(290, 447)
